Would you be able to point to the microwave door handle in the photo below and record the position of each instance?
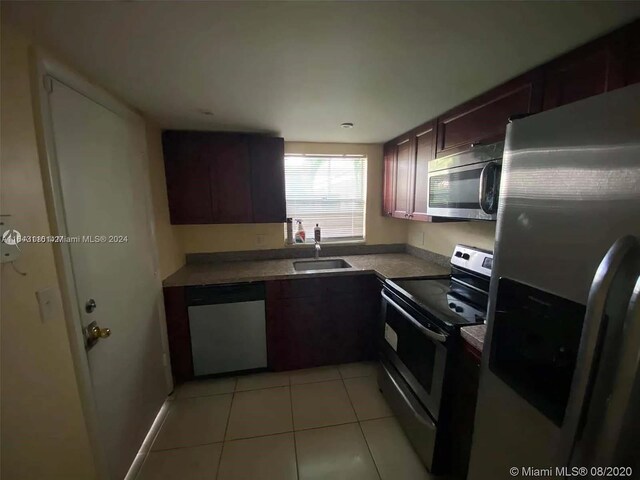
(592, 335)
(482, 188)
(438, 337)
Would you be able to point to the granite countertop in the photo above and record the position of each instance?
(474, 335)
(385, 265)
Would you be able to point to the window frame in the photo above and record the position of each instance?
(309, 228)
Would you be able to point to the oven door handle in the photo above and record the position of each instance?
(438, 337)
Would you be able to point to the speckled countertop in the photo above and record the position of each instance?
(474, 335)
(386, 265)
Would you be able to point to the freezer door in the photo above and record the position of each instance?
(569, 190)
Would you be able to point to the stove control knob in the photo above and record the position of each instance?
(459, 309)
(452, 305)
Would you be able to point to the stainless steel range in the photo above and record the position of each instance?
(420, 331)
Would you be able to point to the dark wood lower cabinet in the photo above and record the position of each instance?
(309, 322)
(323, 322)
(177, 318)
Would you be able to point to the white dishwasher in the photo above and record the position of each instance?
(227, 325)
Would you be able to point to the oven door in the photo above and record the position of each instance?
(416, 349)
(469, 191)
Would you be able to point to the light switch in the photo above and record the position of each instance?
(49, 302)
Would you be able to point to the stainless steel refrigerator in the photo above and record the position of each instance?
(559, 383)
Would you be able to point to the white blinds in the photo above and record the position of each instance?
(329, 191)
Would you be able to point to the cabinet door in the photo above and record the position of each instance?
(590, 70)
(631, 56)
(230, 180)
(388, 179)
(178, 335)
(267, 179)
(484, 119)
(402, 174)
(424, 148)
(187, 177)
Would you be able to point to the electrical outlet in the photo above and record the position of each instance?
(261, 239)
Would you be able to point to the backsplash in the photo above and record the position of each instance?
(305, 251)
(441, 238)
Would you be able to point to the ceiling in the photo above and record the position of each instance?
(299, 69)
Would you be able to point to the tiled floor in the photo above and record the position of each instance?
(322, 423)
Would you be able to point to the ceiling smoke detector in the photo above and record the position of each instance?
(346, 125)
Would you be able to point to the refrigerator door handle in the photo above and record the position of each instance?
(590, 346)
(618, 442)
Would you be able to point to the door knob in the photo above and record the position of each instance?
(94, 333)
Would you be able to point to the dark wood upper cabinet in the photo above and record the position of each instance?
(484, 119)
(230, 171)
(610, 62)
(587, 71)
(267, 179)
(188, 182)
(423, 151)
(388, 186)
(402, 175)
(224, 177)
(632, 53)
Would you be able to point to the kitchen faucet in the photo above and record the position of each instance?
(318, 248)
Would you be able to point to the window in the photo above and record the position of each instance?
(327, 190)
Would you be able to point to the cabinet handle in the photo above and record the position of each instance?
(476, 144)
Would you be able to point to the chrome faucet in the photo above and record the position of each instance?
(318, 248)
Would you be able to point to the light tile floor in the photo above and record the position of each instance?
(323, 423)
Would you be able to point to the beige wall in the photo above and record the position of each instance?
(43, 431)
(379, 229)
(442, 237)
(170, 252)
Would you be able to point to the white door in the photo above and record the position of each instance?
(100, 157)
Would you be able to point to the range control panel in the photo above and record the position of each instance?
(473, 259)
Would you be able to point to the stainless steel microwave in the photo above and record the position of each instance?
(466, 185)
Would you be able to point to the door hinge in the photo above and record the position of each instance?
(47, 81)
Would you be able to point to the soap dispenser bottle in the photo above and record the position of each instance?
(300, 235)
(316, 233)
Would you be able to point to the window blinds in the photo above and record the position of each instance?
(329, 191)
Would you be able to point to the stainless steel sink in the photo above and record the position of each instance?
(306, 265)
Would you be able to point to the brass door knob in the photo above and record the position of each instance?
(93, 333)
(97, 332)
